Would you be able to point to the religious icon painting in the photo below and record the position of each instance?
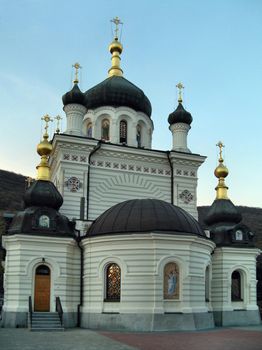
(171, 281)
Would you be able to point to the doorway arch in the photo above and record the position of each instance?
(42, 289)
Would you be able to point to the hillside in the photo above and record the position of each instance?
(12, 189)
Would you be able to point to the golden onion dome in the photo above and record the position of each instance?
(221, 171)
(44, 148)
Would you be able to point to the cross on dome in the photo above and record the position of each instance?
(180, 86)
(77, 67)
(116, 21)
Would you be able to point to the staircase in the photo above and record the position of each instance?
(45, 321)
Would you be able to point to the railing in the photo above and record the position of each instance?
(30, 308)
(59, 309)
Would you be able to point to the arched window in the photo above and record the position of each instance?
(105, 129)
(139, 135)
(171, 281)
(89, 130)
(123, 132)
(113, 282)
(236, 292)
(207, 284)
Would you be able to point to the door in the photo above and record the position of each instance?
(42, 289)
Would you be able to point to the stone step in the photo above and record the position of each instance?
(46, 321)
(61, 329)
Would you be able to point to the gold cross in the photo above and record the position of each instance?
(77, 67)
(180, 86)
(47, 119)
(58, 118)
(220, 145)
(116, 21)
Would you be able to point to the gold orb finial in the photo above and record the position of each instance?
(44, 149)
(116, 49)
(180, 87)
(221, 173)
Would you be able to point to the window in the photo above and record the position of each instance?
(171, 281)
(123, 132)
(138, 135)
(207, 284)
(89, 130)
(105, 131)
(236, 294)
(113, 282)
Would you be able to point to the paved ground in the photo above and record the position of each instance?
(245, 338)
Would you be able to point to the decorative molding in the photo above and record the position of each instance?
(186, 196)
(73, 184)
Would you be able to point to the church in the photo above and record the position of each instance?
(109, 237)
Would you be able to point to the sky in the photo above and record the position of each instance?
(213, 47)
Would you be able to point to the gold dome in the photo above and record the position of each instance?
(44, 148)
(221, 171)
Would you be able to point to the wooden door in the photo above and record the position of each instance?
(42, 289)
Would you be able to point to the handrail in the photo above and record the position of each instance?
(30, 307)
(59, 309)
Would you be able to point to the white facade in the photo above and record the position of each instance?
(25, 254)
(118, 173)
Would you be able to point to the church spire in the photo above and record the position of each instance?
(116, 49)
(221, 173)
(44, 149)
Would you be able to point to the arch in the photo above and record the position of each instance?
(123, 131)
(112, 282)
(171, 281)
(42, 288)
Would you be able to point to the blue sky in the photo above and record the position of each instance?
(213, 47)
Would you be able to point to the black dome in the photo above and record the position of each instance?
(74, 96)
(222, 211)
(43, 194)
(180, 115)
(145, 215)
(117, 91)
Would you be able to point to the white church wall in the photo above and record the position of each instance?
(24, 254)
(142, 258)
(121, 173)
(225, 260)
(115, 115)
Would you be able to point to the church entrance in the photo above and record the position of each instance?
(42, 289)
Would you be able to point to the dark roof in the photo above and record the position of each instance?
(145, 215)
(43, 194)
(74, 96)
(117, 91)
(180, 115)
(42, 200)
(222, 211)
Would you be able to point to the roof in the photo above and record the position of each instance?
(117, 91)
(145, 215)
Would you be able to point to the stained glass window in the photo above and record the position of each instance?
(123, 131)
(236, 286)
(113, 282)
